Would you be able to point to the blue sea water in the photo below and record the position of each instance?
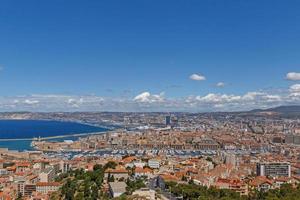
(35, 128)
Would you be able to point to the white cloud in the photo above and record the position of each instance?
(31, 102)
(293, 76)
(250, 96)
(218, 98)
(220, 84)
(295, 88)
(197, 77)
(143, 97)
(272, 98)
(146, 97)
(294, 92)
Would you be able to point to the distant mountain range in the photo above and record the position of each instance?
(285, 111)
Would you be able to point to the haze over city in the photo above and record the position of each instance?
(194, 56)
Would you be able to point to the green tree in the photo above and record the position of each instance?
(97, 167)
(79, 196)
(110, 165)
(19, 197)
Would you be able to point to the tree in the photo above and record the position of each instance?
(79, 196)
(110, 165)
(19, 197)
(97, 167)
(111, 178)
(209, 159)
(184, 178)
(95, 192)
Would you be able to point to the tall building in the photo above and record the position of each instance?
(273, 169)
(168, 120)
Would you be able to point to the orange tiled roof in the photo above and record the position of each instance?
(12, 168)
(41, 184)
(119, 170)
(129, 159)
(143, 170)
(229, 181)
(23, 164)
(283, 179)
(169, 177)
(260, 180)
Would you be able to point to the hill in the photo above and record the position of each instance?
(284, 111)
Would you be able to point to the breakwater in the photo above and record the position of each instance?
(50, 137)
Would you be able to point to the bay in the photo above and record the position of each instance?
(18, 129)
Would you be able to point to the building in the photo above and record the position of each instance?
(29, 189)
(139, 172)
(47, 175)
(64, 166)
(25, 189)
(231, 159)
(20, 187)
(261, 183)
(273, 169)
(118, 174)
(22, 167)
(232, 184)
(292, 139)
(116, 189)
(45, 188)
(206, 144)
(154, 164)
(168, 120)
(3, 172)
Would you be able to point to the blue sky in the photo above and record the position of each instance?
(117, 50)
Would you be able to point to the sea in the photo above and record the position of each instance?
(11, 129)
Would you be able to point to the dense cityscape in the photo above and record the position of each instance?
(241, 155)
(149, 100)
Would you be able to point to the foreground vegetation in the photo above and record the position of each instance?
(82, 185)
(196, 192)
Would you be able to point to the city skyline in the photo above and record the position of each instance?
(149, 56)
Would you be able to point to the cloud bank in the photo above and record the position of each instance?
(146, 101)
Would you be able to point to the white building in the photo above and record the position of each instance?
(154, 164)
(45, 188)
(274, 169)
(116, 189)
(47, 175)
